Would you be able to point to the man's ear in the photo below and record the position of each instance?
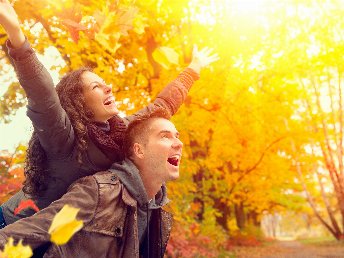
(138, 150)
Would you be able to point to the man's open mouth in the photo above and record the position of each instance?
(174, 160)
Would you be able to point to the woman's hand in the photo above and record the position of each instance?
(10, 22)
(202, 58)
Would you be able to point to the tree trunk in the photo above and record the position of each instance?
(240, 215)
(225, 212)
(252, 218)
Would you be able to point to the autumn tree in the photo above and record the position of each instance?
(11, 172)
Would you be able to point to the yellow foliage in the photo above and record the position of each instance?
(16, 251)
(232, 226)
(165, 56)
(109, 41)
(64, 225)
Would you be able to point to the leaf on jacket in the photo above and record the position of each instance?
(64, 225)
(166, 56)
(24, 205)
(16, 251)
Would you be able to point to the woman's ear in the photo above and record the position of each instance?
(138, 150)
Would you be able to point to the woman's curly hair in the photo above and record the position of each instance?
(70, 92)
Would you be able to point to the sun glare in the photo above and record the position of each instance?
(248, 7)
(249, 12)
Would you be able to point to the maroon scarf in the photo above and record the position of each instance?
(111, 142)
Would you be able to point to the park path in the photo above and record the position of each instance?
(290, 249)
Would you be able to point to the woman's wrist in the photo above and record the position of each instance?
(195, 66)
(16, 37)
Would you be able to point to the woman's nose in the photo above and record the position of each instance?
(107, 88)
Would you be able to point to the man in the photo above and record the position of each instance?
(121, 207)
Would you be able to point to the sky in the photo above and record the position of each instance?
(18, 131)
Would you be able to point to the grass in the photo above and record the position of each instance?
(327, 240)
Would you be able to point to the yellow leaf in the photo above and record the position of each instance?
(140, 23)
(64, 225)
(100, 18)
(109, 41)
(120, 21)
(125, 19)
(109, 25)
(166, 56)
(16, 251)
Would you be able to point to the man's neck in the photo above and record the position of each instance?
(152, 186)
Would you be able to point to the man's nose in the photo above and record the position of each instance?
(178, 143)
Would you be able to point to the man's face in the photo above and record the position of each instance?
(163, 151)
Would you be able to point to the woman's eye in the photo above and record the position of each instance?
(95, 86)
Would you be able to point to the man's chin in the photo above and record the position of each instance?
(174, 176)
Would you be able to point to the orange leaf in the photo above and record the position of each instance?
(24, 205)
(74, 28)
(73, 24)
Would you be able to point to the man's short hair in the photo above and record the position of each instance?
(138, 129)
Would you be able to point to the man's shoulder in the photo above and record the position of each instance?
(106, 177)
(110, 181)
(96, 180)
(109, 187)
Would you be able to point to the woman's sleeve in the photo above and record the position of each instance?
(48, 117)
(173, 95)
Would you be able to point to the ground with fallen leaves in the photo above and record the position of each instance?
(290, 249)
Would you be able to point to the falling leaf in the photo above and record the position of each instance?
(16, 251)
(99, 18)
(74, 28)
(120, 21)
(74, 34)
(73, 24)
(109, 24)
(24, 205)
(64, 225)
(166, 56)
(125, 19)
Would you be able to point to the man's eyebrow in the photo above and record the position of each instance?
(170, 132)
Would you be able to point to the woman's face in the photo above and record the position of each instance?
(98, 97)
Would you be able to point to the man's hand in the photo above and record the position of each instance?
(10, 22)
(202, 58)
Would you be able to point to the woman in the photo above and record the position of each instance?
(77, 130)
